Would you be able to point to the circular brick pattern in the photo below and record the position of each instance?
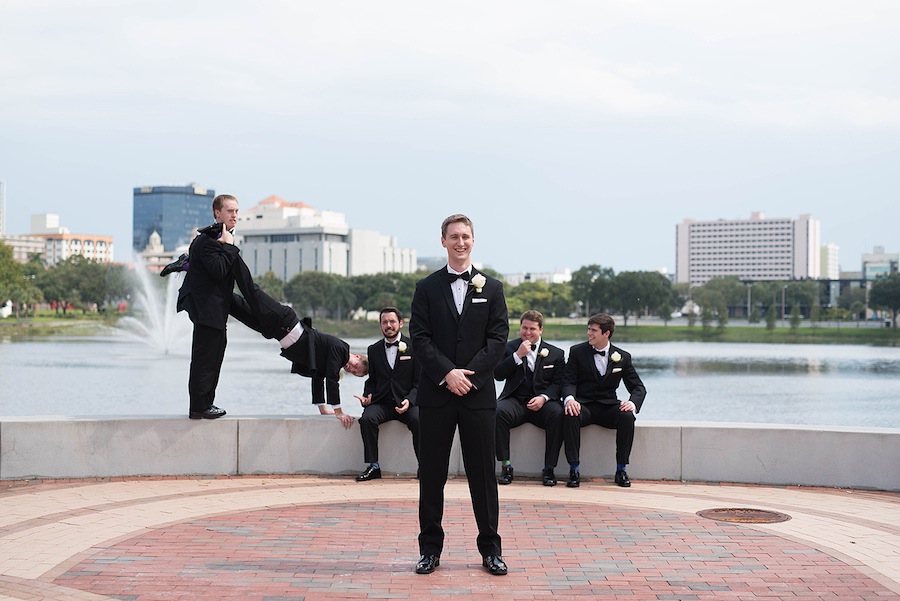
(368, 550)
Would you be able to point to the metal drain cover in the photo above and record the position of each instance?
(743, 515)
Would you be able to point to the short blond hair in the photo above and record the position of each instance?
(219, 201)
(457, 218)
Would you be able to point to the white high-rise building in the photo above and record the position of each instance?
(831, 267)
(288, 238)
(751, 249)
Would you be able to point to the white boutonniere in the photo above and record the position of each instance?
(544, 352)
(616, 357)
(401, 347)
(478, 281)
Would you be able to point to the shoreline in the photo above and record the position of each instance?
(12, 329)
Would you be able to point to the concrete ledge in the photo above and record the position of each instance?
(175, 446)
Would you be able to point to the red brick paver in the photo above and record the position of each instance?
(367, 551)
(308, 538)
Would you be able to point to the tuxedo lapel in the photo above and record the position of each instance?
(448, 294)
(538, 364)
(470, 289)
(609, 366)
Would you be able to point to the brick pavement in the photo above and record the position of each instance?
(293, 538)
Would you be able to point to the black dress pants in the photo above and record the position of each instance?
(607, 416)
(207, 354)
(476, 434)
(512, 413)
(375, 415)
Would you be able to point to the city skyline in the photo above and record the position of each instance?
(570, 137)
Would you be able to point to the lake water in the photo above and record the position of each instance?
(117, 374)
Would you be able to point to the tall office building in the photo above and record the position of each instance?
(831, 268)
(751, 249)
(170, 211)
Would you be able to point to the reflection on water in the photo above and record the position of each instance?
(792, 384)
(826, 385)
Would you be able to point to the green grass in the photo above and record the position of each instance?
(846, 334)
(48, 323)
(76, 323)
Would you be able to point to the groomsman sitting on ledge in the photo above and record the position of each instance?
(593, 373)
(390, 391)
(533, 371)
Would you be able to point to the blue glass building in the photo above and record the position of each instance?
(170, 211)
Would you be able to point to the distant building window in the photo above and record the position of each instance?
(283, 238)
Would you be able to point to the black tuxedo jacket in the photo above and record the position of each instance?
(445, 340)
(392, 385)
(321, 357)
(548, 371)
(583, 381)
(315, 355)
(206, 292)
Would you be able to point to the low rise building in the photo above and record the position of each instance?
(878, 264)
(288, 238)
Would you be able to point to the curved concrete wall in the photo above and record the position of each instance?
(720, 452)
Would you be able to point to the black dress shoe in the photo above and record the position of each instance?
(371, 473)
(622, 478)
(574, 479)
(179, 264)
(427, 564)
(548, 477)
(212, 413)
(495, 565)
(506, 474)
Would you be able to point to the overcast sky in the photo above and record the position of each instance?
(570, 132)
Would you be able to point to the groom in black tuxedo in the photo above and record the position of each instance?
(390, 390)
(459, 329)
(593, 373)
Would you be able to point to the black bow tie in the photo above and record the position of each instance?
(601, 353)
(459, 276)
(394, 343)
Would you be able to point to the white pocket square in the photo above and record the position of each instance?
(617, 370)
(548, 367)
(479, 300)
(405, 357)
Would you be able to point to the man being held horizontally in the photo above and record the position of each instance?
(593, 373)
(312, 353)
(459, 329)
(533, 370)
(390, 390)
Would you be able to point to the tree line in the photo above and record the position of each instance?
(84, 284)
